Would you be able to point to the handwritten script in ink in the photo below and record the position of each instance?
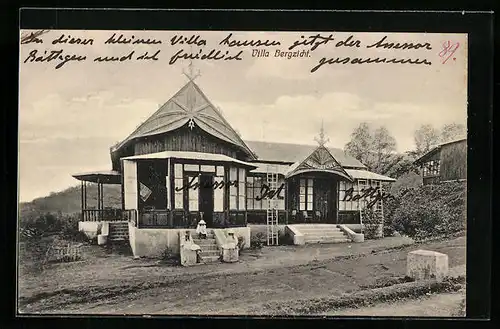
(320, 49)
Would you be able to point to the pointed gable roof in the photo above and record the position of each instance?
(322, 160)
(291, 153)
(188, 104)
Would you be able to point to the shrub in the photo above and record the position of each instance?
(285, 239)
(429, 210)
(69, 229)
(34, 226)
(372, 222)
(258, 240)
(241, 242)
(169, 255)
(390, 205)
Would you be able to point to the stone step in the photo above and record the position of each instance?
(118, 238)
(112, 237)
(210, 259)
(299, 226)
(327, 240)
(319, 237)
(209, 247)
(329, 229)
(323, 236)
(321, 232)
(204, 241)
(206, 253)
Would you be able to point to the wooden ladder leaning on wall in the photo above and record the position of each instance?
(272, 211)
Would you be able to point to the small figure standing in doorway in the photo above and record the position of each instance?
(201, 229)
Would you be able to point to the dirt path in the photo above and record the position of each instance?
(441, 305)
(229, 289)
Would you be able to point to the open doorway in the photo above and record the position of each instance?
(207, 198)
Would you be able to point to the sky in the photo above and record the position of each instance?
(70, 117)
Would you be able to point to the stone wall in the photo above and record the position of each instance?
(146, 242)
(91, 229)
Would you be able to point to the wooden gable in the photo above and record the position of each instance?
(320, 160)
(189, 107)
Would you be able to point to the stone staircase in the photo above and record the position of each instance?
(210, 252)
(118, 231)
(322, 233)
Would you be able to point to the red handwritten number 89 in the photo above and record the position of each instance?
(449, 49)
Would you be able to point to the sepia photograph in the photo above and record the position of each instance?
(241, 173)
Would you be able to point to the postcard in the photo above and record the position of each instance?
(242, 173)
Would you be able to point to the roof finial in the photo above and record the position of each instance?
(190, 74)
(322, 139)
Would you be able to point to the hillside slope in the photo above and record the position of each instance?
(68, 201)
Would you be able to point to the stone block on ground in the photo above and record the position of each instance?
(229, 254)
(426, 264)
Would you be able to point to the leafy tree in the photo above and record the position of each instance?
(453, 131)
(426, 137)
(384, 147)
(375, 149)
(361, 143)
(401, 164)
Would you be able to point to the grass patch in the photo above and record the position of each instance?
(364, 298)
(387, 282)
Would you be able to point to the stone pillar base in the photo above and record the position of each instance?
(230, 255)
(426, 264)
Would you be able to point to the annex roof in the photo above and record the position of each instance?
(365, 174)
(188, 106)
(263, 167)
(104, 176)
(199, 156)
(437, 149)
(291, 153)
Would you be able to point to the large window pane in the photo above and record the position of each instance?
(193, 195)
(207, 168)
(241, 202)
(191, 167)
(179, 193)
(220, 171)
(178, 170)
(233, 174)
(302, 190)
(232, 202)
(218, 195)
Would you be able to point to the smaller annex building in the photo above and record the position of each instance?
(186, 163)
(444, 163)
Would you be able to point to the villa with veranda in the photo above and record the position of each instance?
(186, 163)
